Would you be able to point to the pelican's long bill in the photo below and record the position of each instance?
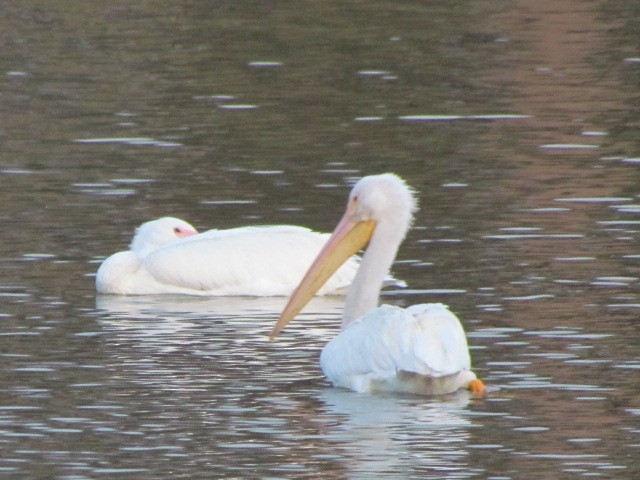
(350, 236)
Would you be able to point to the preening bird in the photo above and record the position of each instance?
(421, 349)
(169, 256)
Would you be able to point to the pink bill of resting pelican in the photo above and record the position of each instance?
(421, 349)
(169, 256)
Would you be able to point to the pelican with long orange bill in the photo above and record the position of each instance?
(421, 349)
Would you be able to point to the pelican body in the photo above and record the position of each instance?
(421, 349)
(169, 256)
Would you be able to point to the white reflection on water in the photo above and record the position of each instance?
(162, 306)
(238, 106)
(399, 434)
(211, 357)
(440, 118)
(215, 322)
(136, 141)
(265, 64)
(569, 146)
(165, 323)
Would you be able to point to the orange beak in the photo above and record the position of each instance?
(350, 236)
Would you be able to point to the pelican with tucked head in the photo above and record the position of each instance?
(169, 256)
(421, 349)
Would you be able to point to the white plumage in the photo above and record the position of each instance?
(169, 256)
(421, 349)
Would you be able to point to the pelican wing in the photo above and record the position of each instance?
(243, 261)
(427, 340)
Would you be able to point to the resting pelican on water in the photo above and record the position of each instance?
(421, 349)
(169, 256)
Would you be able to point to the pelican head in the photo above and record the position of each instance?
(382, 198)
(379, 213)
(157, 233)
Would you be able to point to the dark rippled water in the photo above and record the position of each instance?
(515, 122)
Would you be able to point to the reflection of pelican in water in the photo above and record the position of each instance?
(399, 436)
(154, 306)
(421, 349)
(168, 256)
(179, 343)
(148, 315)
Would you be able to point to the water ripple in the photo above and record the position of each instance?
(135, 141)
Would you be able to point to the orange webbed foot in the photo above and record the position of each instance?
(477, 387)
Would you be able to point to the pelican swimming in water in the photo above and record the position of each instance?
(169, 256)
(421, 349)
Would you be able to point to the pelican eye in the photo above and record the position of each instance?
(177, 230)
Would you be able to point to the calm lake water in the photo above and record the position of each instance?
(517, 123)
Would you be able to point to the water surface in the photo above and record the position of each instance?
(515, 123)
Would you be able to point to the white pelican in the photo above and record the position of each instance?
(169, 256)
(421, 349)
